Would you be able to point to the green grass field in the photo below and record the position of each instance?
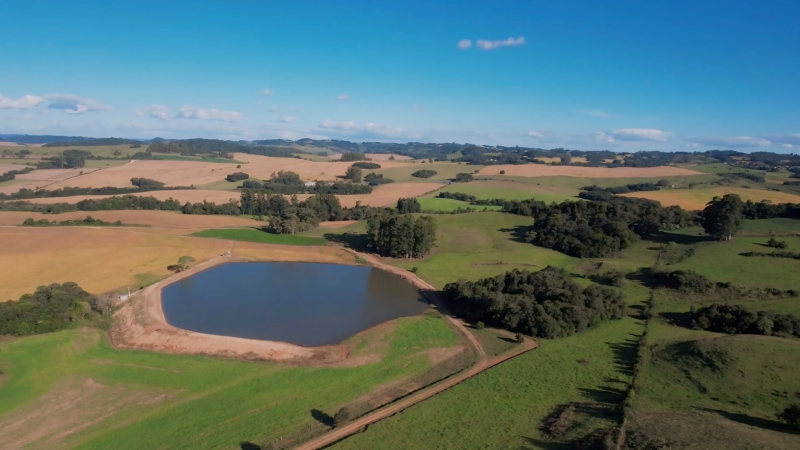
(444, 171)
(253, 235)
(448, 204)
(190, 401)
(505, 406)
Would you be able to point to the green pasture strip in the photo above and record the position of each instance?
(252, 235)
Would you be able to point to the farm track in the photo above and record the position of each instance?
(484, 362)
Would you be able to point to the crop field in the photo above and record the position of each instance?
(696, 199)
(512, 190)
(69, 389)
(444, 171)
(541, 170)
(167, 220)
(448, 204)
(252, 235)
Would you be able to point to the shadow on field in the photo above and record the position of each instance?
(357, 242)
(643, 276)
(624, 355)
(539, 444)
(685, 239)
(249, 446)
(757, 422)
(604, 394)
(517, 233)
(681, 319)
(322, 417)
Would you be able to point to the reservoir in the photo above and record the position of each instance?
(305, 304)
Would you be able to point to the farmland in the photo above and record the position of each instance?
(695, 199)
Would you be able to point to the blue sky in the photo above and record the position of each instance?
(619, 75)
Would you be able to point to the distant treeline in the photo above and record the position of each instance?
(91, 142)
(546, 304)
(286, 182)
(88, 221)
(193, 147)
(11, 174)
(140, 185)
(691, 282)
(50, 308)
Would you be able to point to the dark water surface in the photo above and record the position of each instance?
(301, 303)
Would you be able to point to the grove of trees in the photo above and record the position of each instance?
(50, 308)
(737, 319)
(390, 233)
(722, 217)
(546, 304)
(424, 173)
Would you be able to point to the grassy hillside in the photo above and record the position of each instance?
(131, 399)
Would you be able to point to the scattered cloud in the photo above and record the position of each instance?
(789, 146)
(793, 139)
(343, 97)
(72, 104)
(24, 102)
(734, 142)
(154, 111)
(464, 44)
(329, 124)
(640, 134)
(603, 138)
(370, 130)
(287, 119)
(267, 92)
(191, 112)
(535, 134)
(491, 45)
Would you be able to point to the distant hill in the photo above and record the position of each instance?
(92, 142)
(37, 139)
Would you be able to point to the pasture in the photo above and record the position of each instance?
(253, 235)
(70, 389)
(696, 199)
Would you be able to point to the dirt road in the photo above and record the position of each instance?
(484, 362)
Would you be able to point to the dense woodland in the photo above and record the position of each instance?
(287, 182)
(92, 142)
(546, 304)
(737, 319)
(88, 221)
(50, 308)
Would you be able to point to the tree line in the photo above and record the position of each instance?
(546, 304)
(738, 319)
(287, 182)
(139, 185)
(88, 221)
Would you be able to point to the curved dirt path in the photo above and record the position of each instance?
(484, 362)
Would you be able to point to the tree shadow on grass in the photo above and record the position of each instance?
(624, 355)
(757, 422)
(517, 233)
(357, 242)
(681, 319)
(249, 446)
(685, 239)
(322, 417)
(604, 394)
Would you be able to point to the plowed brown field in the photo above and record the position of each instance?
(541, 170)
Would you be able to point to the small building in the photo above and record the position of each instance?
(310, 183)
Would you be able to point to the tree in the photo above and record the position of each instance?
(791, 416)
(424, 235)
(184, 261)
(408, 205)
(464, 177)
(722, 217)
(342, 417)
(353, 173)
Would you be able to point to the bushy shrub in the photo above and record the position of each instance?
(424, 173)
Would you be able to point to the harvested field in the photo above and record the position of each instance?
(539, 170)
(383, 195)
(98, 259)
(189, 173)
(45, 178)
(158, 219)
(386, 156)
(9, 167)
(695, 199)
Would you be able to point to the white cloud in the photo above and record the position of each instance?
(191, 112)
(24, 102)
(154, 111)
(348, 125)
(343, 97)
(535, 134)
(273, 109)
(735, 142)
(267, 92)
(491, 45)
(640, 134)
(287, 119)
(789, 146)
(464, 44)
(793, 139)
(72, 104)
(603, 138)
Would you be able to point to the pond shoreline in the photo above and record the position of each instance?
(141, 324)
